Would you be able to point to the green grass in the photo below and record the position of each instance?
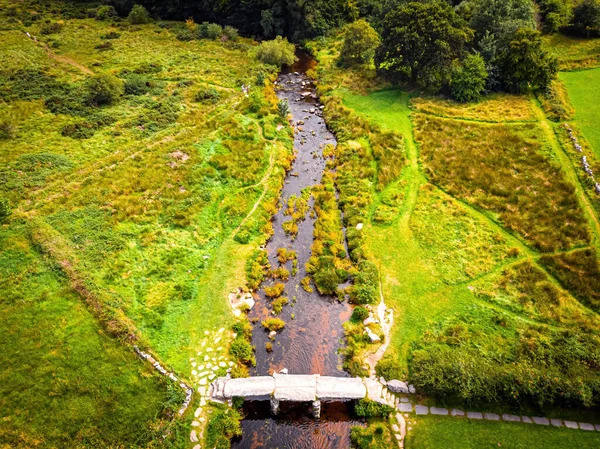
(64, 382)
(151, 215)
(584, 89)
(434, 432)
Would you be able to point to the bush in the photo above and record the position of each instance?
(274, 291)
(104, 89)
(83, 130)
(184, 35)
(209, 30)
(230, 33)
(366, 284)
(370, 409)
(277, 52)
(279, 303)
(257, 266)
(389, 368)
(136, 85)
(4, 209)
(242, 350)
(468, 80)
(360, 43)
(207, 95)
(110, 35)
(139, 15)
(8, 129)
(104, 46)
(105, 12)
(51, 28)
(359, 314)
(223, 425)
(273, 324)
(283, 108)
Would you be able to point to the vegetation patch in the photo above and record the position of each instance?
(503, 170)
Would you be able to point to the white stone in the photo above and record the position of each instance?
(359, 226)
(397, 386)
(195, 423)
(340, 388)
(193, 437)
(197, 412)
(222, 364)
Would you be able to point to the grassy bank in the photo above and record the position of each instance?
(432, 432)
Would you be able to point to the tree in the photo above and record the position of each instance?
(360, 43)
(525, 63)
(468, 80)
(556, 14)
(277, 52)
(104, 89)
(139, 15)
(586, 19)
(420, 41)
(498, 17)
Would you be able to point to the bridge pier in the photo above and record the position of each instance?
(316, 409)
(274, 406)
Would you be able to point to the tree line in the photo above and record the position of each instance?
(464, 47)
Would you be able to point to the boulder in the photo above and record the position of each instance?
(397, 386)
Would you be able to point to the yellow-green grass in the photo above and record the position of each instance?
(151, 212)
(508, 171)
(64, 382)
(492, 108)
(439, 431)
(584, 91)
(460, 244)
(574, 53)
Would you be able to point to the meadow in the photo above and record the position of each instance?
(145, 209)
(584, 88)
(480, 243)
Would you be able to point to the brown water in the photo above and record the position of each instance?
(310, 342)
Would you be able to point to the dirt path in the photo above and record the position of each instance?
(262, 182)
(66, 60)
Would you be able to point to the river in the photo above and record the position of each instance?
(310, 341)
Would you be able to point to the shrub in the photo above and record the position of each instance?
(223, 425)
(4, 209)
(469, 79)
(370, 409)
(242, 350)
(230, 33)
(110, 35)
(207, 95)
(277, 52)
(139, 15)
(136, 85)
(273, 324)
(359, 314)
(83, 130)
(360, 43)
(279, 303)
(269, 346)
(104, 89)
(283, 108)
(260, 79)
(8, 129)
(389, 368)
(184, 35)
(208, 30)
(51, 28)
(105, 12)
(257, 266)
(366, 284)
(274, 291)
(104, 46)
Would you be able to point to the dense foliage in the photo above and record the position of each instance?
(360, 43)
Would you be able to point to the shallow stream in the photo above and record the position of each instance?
(310, 341)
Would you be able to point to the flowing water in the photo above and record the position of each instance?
(310, 342)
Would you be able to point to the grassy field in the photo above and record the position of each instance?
(433, 432)
(459, 237)
(148, 207)
(574, 53)
(584, 88)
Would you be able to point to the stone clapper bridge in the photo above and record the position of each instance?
(312, 388)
